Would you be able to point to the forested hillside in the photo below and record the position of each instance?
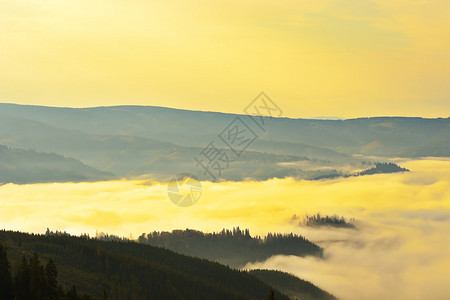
(128, 270)
(32, 280)
(383, 168)
(232, 247)
(292, 286)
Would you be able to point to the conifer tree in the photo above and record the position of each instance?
(271, 295)
(37, 278)
(6, 287)
(22, 280)
(51, 282)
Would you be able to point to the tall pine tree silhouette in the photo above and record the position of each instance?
(271, 295)
(37, 279)
(51, 283)
(6, 287)
(22, 280)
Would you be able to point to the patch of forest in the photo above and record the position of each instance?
(232, 247)
(383, 168)
(33, 280)
(129, 270)
(319, 220)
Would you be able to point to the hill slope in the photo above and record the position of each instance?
(292, 286)
(235, 248)
(126, 270)
(28, 166)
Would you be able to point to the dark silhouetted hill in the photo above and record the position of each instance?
(383, 168)
(128, 270)
(232, 247)
(292, 286)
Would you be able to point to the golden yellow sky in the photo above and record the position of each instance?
(346, 58)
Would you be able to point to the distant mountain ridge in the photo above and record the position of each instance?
(371, 136)
(131, 141)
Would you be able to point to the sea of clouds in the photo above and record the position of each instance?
(400, 249)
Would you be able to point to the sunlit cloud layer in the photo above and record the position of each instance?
(138, 206)
(347, 58)
(407, 259)
(400, 249)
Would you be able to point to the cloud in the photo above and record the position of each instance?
(400, 249)
(381, 261)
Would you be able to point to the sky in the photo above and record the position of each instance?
(344, 58)
(399, 251)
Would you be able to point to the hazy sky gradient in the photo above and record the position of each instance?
(346, 58)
